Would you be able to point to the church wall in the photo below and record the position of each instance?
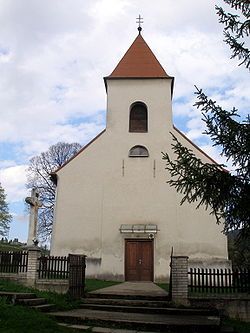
(155, 93)
(103, 188)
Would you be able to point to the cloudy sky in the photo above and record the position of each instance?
(54, 54)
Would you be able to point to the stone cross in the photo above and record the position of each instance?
(34, 203)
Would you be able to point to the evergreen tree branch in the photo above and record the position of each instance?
(224, 194)
(235, 30)
(225, 131)
(242, 5)
(5, 216)
(239, 50)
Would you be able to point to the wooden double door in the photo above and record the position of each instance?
(138, 260)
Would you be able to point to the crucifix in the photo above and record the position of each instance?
(139, 21)
(35, 204)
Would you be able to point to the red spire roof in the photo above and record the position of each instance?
(139, 61)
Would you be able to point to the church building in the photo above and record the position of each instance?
(113, 202)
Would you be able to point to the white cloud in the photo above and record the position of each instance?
(5, 56)
(104, 11)
(60, 52)
(13, 180)
(6, 164)
(19, 226)
(68, 133)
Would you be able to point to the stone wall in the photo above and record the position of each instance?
(19, 278)
(58, 286)
(231, 306)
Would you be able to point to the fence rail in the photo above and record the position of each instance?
(219, 280)
(13, 262)
(51, 267)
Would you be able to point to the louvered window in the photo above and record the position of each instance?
(138, 120)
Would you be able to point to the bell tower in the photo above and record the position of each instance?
(139, 93)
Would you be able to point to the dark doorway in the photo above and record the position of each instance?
(138, 260)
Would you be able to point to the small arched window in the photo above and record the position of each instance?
(138, 118)
(138, 151)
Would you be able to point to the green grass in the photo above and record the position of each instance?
(10, 247)
(61, 301)
(19, 319)
(239, 326)
(164, 286)
(94, 284)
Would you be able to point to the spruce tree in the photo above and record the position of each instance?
(225, 194)
(5, 217)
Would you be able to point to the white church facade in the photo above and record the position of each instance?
(113, 203)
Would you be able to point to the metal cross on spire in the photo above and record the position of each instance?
(139, 21)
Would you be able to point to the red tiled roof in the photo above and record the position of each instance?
(139, 62)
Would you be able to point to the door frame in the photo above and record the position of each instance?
(138, 240)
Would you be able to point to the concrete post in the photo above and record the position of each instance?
(180, 279)
(33, 265)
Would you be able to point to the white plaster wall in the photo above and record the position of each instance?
(95, 194)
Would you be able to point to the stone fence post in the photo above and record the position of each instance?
(33, 265)
(180, 279)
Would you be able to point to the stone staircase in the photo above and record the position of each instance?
(28, 299)
(138, 313)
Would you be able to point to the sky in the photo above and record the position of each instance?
(55, 53)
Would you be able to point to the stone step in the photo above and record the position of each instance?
(150, 310)
(44, 307)
(15, 295)
(145, 304)
(126, 302)
(31, 301)
(122, 308)
(227, 329)
(28, 299)
(223, 329)
(118, 295)
(101, 329)
(163, 322)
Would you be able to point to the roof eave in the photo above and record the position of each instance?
(197, 147)
(79, 152)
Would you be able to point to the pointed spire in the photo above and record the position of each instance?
(139, 62)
